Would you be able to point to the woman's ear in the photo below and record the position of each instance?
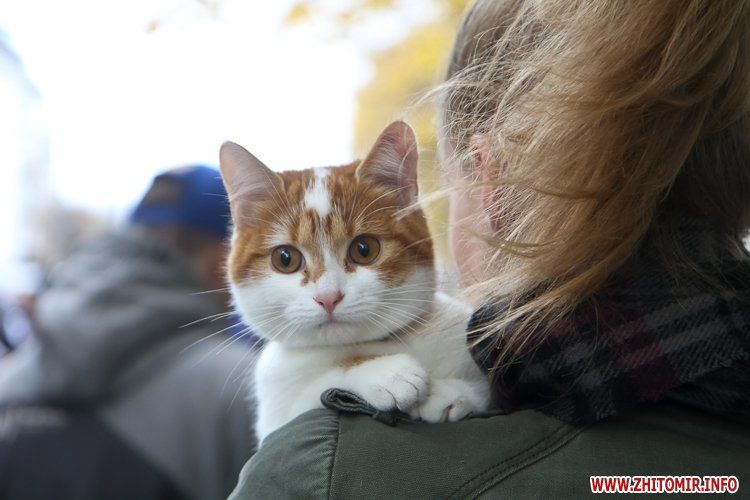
(487, 170)
(490, 169)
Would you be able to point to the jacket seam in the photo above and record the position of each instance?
(492, 467)
(335, 455)
(524, 462)
(533, 459)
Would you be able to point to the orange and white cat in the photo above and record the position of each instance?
(334, 268)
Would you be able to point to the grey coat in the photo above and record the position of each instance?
(115, 333)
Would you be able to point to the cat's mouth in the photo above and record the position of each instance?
(332, 320)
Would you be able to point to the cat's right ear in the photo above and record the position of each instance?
(392, 162)
(247, 179)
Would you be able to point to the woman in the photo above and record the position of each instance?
(606, 145)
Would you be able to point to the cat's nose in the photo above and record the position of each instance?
(329, 301)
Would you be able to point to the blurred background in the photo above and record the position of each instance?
(99, 96)
(122, 370)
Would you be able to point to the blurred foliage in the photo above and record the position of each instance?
(205, 7)
(349, 13)
(403, 74)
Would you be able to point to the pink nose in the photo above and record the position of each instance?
(329, 301)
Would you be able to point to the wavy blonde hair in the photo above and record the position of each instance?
(607, 121)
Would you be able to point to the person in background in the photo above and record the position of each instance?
(602, 150)
(131, 386)
(15, 321)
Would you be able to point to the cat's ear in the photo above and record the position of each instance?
(392, 162)
(247, 179)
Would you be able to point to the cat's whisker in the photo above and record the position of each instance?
(387, 193)
(252, 349)
(212, 317)
(271, 315)
(412, 320)
(406, 299)
(282, 197)
(281, 330)
(239, 363)
(414, 287)
(257, 219)
(246, 331)
(393, 321)
(363, 210)
(289, 333)
(243, 375)
(214, 349)
(404, 292)
(354, 201)
(417, 318)
(380, 209)
(203, 339)
(394, 329)
(216, 290)
(230, 339)
(376, 318)
(412, 244)
(400, 310)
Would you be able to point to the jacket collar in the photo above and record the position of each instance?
(650, 336)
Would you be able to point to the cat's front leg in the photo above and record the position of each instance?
(451, 399)
(390, 382)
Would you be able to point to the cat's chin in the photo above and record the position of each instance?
(334, 332)
(332, 322)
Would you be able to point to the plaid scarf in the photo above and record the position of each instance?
(648, 337)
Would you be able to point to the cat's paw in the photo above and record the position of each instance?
(450, 400)
(394, 382)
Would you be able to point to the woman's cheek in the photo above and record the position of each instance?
(471, 255)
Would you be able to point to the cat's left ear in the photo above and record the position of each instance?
(247, 179)
(392, 162)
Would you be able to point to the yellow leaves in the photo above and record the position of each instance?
(378, 4)
(299, 13)
(153, 25)
(403, 76)
(456, 7)
(402, 79)
(404, 73)
(345, 16)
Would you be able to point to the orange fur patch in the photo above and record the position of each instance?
(358, 207)
(350, 363)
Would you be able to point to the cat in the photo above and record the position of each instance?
(334, 268)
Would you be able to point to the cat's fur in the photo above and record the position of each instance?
(391, 339)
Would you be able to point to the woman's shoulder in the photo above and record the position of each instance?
(324, 454)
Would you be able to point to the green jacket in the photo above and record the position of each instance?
(328, 454)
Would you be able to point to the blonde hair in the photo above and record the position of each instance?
(608, 121)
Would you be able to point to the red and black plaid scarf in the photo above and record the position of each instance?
(646, 338)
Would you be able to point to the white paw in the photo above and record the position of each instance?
(450, 400)
(394, 382)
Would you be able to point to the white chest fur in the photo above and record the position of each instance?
(428, 373)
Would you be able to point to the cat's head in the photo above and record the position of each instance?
(330, 256)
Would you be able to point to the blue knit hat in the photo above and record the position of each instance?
(193, 197)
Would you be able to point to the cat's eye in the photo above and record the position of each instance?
(364, 250)
(286, 259)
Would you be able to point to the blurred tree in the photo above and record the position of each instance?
(403, 73)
